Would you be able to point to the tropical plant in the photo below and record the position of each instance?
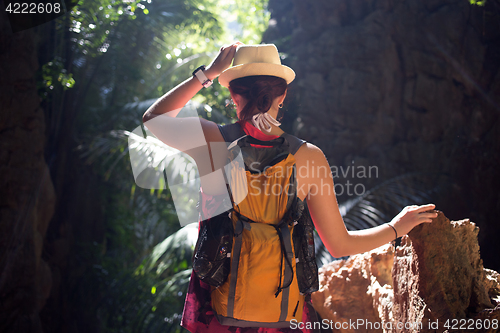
(150, 298)
(122, 56)
(94, 60)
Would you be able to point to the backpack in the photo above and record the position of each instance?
(259, 257)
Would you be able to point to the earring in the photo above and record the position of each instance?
(280, 115)
(280, 105)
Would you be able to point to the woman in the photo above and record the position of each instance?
(258, 84)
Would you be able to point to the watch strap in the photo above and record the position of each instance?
(204, 80)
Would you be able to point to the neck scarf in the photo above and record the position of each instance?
(263, 122)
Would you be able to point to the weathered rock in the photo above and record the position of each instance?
(357, 289)
(488, 321)
(437, 276)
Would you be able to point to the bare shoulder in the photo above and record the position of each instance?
(211, 131)
(312, 166)
(310, 152)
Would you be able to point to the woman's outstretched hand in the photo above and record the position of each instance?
(411, 216)
(222, 61)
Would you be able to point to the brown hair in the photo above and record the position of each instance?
(259, 91)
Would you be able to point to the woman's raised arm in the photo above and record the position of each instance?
(173, 101)
(191, 134)
(186, 134)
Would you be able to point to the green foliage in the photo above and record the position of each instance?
(53, 73)
(478, 2)
(53, 77)
(150, 298)
(251, 17)
(118, 56)
(145, 295)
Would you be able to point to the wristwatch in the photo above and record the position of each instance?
(204, 80)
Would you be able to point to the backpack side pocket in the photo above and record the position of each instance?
(212, 254)
(303, 240)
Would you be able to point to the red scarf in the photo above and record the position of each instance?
(251, 130)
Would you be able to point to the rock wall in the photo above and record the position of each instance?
(406, 86)
(435, 275)
(26, 189)
(45, 258)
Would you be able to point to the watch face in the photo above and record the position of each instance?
(201, 68)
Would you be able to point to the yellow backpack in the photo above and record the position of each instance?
(262, 264)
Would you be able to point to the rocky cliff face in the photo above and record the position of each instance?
(433, 281)
(406, 86)
(26, 189)
(42, 262)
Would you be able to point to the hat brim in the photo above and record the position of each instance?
(252, 69)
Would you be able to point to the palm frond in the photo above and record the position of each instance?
(151, 298)
(175, 249)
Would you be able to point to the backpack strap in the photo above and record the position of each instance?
(234, 131)
(231, 132)
(294, 142)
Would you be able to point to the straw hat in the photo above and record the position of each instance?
(256, 60)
